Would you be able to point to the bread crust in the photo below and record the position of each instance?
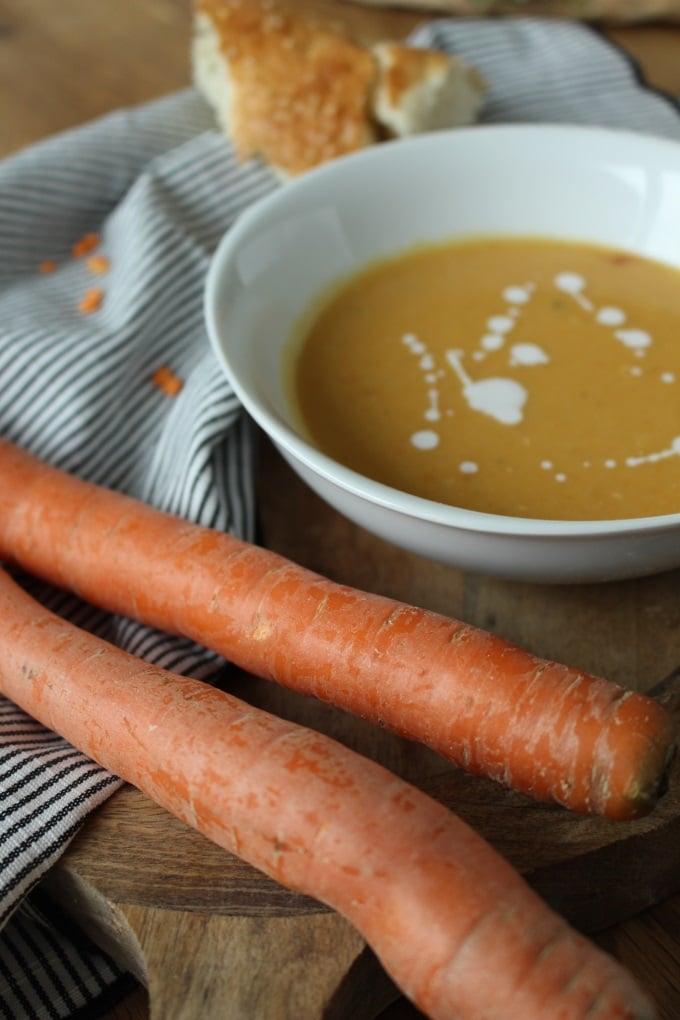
(300, 92)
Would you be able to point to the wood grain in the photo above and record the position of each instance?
(148, 887)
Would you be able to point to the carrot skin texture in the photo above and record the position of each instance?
(452, 922)
(544, 729)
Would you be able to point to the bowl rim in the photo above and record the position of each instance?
(356, 484)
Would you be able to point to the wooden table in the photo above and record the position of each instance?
(62, 64)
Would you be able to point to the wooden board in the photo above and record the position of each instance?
(197, 926)
(208, 936)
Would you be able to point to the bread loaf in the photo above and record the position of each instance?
(297, 93)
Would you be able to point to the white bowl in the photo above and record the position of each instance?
(581, 183)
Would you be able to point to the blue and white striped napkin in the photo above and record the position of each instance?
(157, 187)
(144, 195)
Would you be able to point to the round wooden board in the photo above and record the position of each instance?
(203, 931)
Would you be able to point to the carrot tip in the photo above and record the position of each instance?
(47, 266)
(650, 786)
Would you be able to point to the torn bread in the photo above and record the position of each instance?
(298, 93)
(420, 90)
(282, 88)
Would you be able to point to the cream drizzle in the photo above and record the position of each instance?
(501, 399)
(504, 399)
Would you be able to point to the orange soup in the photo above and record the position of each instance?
(528, 377)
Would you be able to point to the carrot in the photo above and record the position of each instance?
(544, 729)
(455, 926)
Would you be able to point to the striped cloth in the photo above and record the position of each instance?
(160, 186)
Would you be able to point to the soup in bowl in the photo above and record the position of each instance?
(467, 343)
